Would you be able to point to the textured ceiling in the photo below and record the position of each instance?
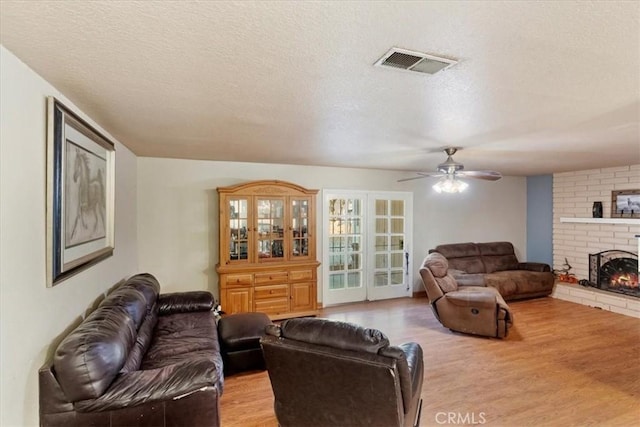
(540, 87)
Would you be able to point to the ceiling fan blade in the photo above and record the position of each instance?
(422, 175)
(411, 179)
(486, 175)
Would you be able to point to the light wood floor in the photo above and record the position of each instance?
(563, 364)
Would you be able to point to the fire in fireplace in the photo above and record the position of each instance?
(615, 271)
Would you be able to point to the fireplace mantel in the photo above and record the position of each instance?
(628, 221)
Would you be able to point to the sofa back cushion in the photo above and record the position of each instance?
(90, 357)
(439, 267)
(110, 340)
(498, 256)
(330, 333)
(462, 256)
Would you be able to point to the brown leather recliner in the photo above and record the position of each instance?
(474, 310)
(330, 373)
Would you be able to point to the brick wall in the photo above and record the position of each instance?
(573, 196)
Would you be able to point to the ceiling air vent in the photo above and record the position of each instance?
(410, 60)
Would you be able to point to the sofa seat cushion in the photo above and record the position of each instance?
(182, 336)
(519, 283)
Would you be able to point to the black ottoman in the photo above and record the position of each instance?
(239, 336)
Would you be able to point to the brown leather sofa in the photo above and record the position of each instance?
(329, 373)
(478, 310)
(495, 264)
(139, 359)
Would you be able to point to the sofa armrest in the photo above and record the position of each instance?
(415, 361)
(410, 364)
(184, 302)
(470, 297)
(155, 385)
(534, 266)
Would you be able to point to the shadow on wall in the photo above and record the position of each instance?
(214, 238)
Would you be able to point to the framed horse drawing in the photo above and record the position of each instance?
(80, 194)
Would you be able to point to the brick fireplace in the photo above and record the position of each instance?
(576, 235)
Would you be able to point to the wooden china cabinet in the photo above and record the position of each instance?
(268, 249)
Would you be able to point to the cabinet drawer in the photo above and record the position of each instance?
(272, 291)
(272, 305)
(300, 275)
(239, 279)
(276, 277)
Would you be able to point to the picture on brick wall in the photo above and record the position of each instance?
(625, 204)
(80, 194)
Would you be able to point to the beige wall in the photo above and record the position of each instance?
(573, 196)
(178, 212)
(32, 315)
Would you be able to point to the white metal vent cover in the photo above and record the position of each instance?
(410, 60)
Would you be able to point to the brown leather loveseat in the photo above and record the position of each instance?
(330, 373)
(139, 359)
(495, 264)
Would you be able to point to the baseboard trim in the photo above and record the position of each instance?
(420, 294)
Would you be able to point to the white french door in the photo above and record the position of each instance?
(366, 241)
(389, 257)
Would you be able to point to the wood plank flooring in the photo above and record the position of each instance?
(563, 364)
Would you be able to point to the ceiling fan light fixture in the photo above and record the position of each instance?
(449, 184)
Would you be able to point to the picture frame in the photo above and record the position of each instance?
(625, 204)
(80, 194)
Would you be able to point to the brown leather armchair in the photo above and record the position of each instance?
(474, 310)
(330, 373)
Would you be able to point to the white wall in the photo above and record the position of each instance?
(178, 212)
(32, 315)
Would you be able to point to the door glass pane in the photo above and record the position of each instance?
(336, 281)
(353, 279)
(381, 225)
(397, 208)
(397, 225)
(380, 278)
(353, 226)
(336, 262)
(381, 243)
(353, 243)
(336, 244)
(354, 207)
(396, 260)
(382, 261)
(397, 277)
(397, 243)
(381, 207)
(354, 262)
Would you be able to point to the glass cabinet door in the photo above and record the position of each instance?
(270, 229)
(238, 229)
(299, 227)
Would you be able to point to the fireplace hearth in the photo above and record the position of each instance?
(615, 271)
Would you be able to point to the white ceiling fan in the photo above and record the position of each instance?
(449, 173)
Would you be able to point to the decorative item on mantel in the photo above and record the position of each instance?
(625, 204)
(597, 209)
